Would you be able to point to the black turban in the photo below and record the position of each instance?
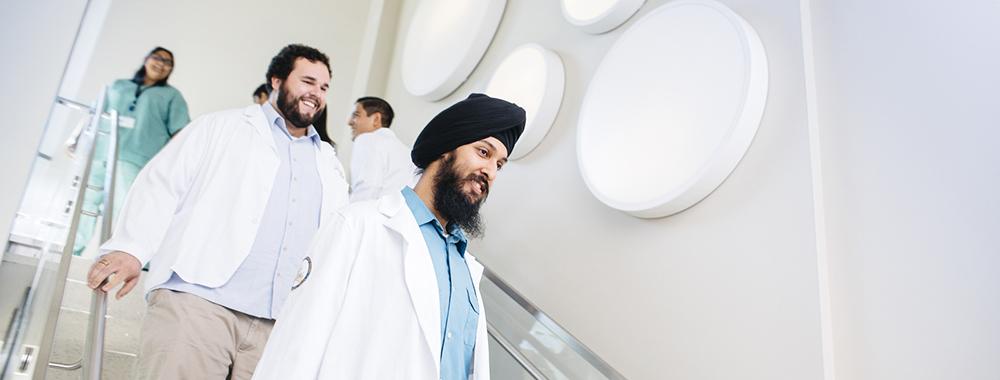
(473, 119)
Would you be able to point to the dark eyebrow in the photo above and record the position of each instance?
(504, 160)
(490, 144)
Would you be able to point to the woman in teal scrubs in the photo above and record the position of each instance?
(150, 113)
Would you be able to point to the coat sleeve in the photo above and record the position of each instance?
(157, 192)
(367, 168)
(298, 342)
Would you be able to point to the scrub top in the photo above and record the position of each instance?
(149, 120)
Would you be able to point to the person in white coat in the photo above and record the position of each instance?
(380, 163)
(393, 293)
(223, 215)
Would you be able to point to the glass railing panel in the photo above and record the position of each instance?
(31, 261)
(503, 365)
(547, 347)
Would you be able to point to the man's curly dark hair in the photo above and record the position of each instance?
(283, 63)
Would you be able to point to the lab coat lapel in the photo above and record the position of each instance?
(255, 116)
(328, 181)
(480, 361)
(418, 270)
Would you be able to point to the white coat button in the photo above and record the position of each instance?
(449, 335)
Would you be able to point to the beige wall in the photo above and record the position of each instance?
(725, 290)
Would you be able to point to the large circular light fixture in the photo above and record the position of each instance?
(444, 43)
(672, 108)
(599, 16)
(533, 78)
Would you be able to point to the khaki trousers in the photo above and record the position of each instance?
(186, 337)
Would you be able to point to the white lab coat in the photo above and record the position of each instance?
(196, 207)
(370, 308)
(380, 165)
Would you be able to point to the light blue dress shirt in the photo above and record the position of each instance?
(459, 303)
(291, 218)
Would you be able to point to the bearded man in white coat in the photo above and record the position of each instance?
(393, 294)
(223, 215)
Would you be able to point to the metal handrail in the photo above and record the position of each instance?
(82, 107)
(89, 138)
(99, 299)
(67, 366)
(599, 364)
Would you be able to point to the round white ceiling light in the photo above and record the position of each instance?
(532, 77)
(672, 108)
(444, 43)
(599, 16)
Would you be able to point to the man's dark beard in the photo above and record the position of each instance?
(290, 110)
(453, 204)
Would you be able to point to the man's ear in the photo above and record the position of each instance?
(377, 119)
(275, 84)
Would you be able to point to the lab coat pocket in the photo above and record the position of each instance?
(472, 319)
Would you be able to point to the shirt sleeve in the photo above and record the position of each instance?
(367, 169)
(156, 193)
(178, 116)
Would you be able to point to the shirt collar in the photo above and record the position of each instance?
(423, 215)
(276, 121)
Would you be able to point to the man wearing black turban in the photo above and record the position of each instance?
(392, 292)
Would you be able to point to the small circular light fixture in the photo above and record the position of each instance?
(672, 108)
(599, 16)
(533, 78)
(444, 43)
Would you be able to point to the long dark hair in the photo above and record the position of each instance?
(140, 75)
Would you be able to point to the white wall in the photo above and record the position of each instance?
(725, 290)
(35, 41)
(909, 112)
(222, 48)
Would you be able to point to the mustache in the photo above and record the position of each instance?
(309, 97)
(482, 181)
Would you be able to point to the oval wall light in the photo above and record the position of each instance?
(532, 77)
(444, 43)
(672, 108)
(599, 16)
